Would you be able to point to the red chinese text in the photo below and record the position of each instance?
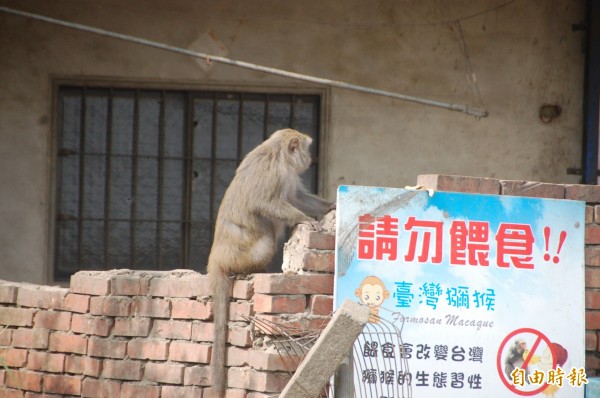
(377, 237)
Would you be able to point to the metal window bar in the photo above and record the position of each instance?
(87, 235)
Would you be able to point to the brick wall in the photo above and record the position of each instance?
(587, 193)
(148, 334)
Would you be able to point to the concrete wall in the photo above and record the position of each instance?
(522, 54)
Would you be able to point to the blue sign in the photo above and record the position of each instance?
(489, 289)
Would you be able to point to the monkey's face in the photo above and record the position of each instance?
(299, 152)
(372, 295)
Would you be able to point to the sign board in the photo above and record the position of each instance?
(489, 289)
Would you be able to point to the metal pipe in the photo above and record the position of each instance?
(467, 109)
(591, 101)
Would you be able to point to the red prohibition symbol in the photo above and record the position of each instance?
(538, 337)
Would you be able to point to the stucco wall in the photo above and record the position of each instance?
(522, 54)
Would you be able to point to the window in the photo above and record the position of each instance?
(141, 173)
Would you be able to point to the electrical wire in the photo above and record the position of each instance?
(467, 109)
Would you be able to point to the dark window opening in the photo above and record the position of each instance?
(141, 173)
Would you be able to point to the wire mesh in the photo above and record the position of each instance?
(378, 365)
(379, 361)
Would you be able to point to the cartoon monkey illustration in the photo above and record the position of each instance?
(372, 292)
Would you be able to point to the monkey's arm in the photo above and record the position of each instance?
(286, 213)
(310, 204)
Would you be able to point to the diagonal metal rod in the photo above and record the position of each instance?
(467, 109)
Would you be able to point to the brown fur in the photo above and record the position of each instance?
(265, 195)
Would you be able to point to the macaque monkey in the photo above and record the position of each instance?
(265, 195)
(372, 292)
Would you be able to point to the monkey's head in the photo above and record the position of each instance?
(372, 291)
(296, 147)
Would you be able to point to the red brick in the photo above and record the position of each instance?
(321, 304)
(240, 310)
(197, 376)
(254, 394)
(181, 392)
(94, 283)
(72, 343)
(156, 350)
(587, 193)
(229, 393)
(293, 284)
(592, 256)
(453, 183)
(92, 388)
(191, 309)
(8, 293)
(202, 331)
(46, 362)
(592, 235)
(76, 303)
(189, 352)
(153, 308)
(239, 336)
(30, 338)
(16, 316)
(247, 378)
(242, 289)
(234, 393)
(181, 284)
(107, 348)
(13, 357)
(279, 304)
(532, 189)
(41, 395)
(83, 365)
(41, 296)
(172, 329)
(87, 324)
(130, 285)
(591, 341)
(273, 361)
(592, 299)
(592, 361)
(24, 380)
(132, 327)
(319, 261)
(316, 240)
(6, 335)
(110, 306)
(592, 320)
(164, 373)
(595, 214)
(237, 356)
(55, 320)
(62, 384)
(10, 393)
(592, 278)
(129, 390)
(122, 369)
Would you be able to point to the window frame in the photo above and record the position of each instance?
(189, 89)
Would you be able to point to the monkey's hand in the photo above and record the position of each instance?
(313, 224)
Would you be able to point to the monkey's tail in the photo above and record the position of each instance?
(221, 292)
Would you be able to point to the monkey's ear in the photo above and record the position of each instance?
(294, 144)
